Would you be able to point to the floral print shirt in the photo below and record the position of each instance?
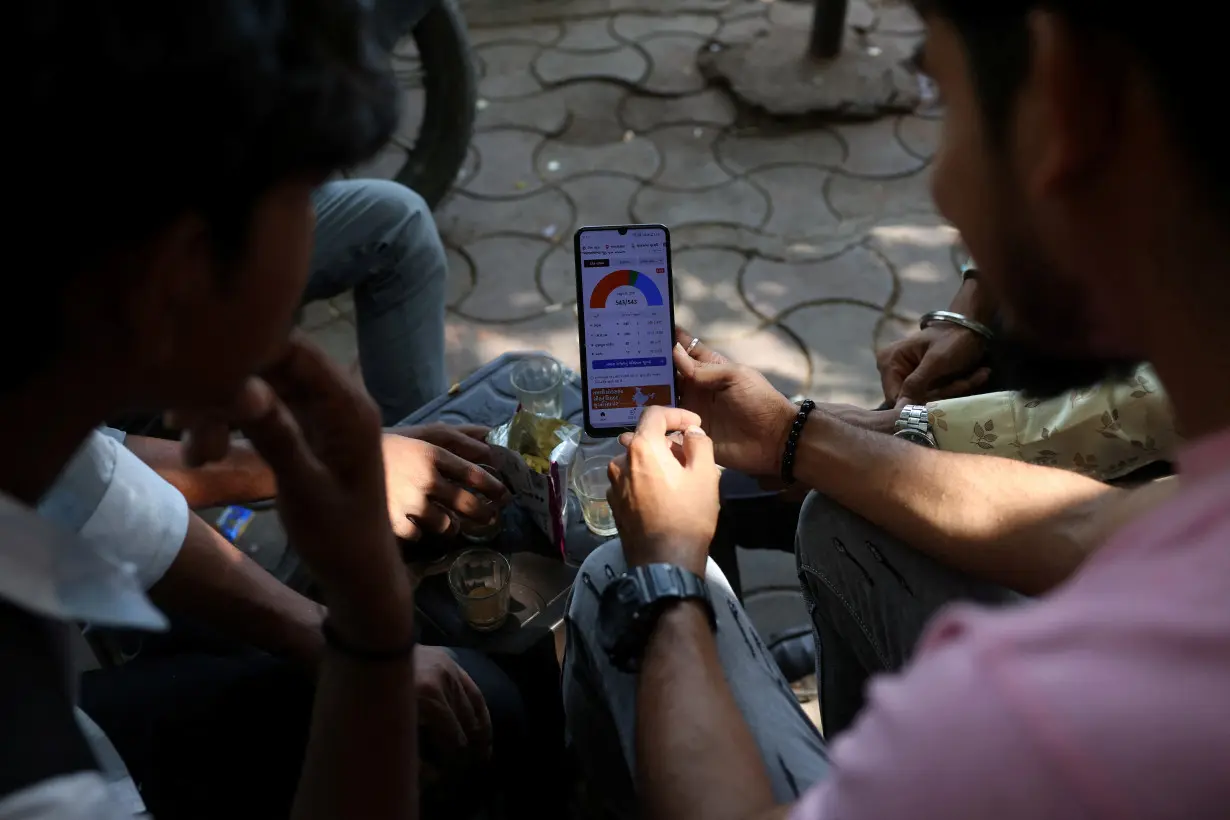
(1105, 432)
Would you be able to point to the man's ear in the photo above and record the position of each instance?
(150, 292)
(1069, 105)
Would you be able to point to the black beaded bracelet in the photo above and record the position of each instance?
(360, 653)
(792, 441)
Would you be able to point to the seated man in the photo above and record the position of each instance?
(219, 120)
(1106, 431)
(1061, 120)
(166, 711)
(377, 239)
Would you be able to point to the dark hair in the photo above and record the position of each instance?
(1172, 51)
(130, 113)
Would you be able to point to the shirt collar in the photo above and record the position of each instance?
(56, 574)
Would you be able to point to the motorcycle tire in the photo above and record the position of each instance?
(450, 85)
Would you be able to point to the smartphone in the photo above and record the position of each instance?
(626, 314)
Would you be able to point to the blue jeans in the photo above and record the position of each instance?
(600, 701)
(378, 239)
(869, 596)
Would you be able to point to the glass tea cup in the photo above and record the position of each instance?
(481, 582)
(591, 485)
(478, 533)
(539, 384)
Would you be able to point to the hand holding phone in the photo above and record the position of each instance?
(626, 313)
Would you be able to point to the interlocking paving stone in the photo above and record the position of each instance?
(797, 194)
(546, 113)
(503, 12)
(636, 157)
(506, 70)
(897, 17)
(506, 164)
(588, 35)
(625, 63)
(773, 288)
(471, 344)
(873, 151)
(736, 203)
(542, 33)
(687, 157)
(839, 339)
(546, 212)
(591, 106)
(504, 289)
(707, 292)
(709, 107)
(774, 353)
(920, 253)
(460, 277)
(854, 197)
(919, 136)
(637, 27)
(753, 150)
(673, 64)
(556, 276)
(601, 198)
(742, 29)
(673, 60)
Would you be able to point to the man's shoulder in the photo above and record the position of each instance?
(1038, 712)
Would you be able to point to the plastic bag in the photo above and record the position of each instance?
(534, 454)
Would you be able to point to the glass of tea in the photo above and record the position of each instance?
(481, 580)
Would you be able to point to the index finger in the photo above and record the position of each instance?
(658, 420)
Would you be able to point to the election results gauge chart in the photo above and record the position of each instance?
(647, 293)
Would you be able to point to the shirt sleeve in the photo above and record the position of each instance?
(938, 741)
(120, 506)
(78, 796)
(1105, 431)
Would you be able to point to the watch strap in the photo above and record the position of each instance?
(914, 424)
(914, 417)
(647, 591)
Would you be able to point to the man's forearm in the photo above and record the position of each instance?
(213, 583)
(695, 755)
(1019, 525)
(241, 478)
(364, 705)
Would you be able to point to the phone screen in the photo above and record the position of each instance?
(625, 298)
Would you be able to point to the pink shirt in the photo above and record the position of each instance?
(1109, 698)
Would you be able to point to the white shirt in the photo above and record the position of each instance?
(117, 527)
(120, 506)
(52, 573)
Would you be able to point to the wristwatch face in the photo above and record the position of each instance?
(619, 601)
(915, 437)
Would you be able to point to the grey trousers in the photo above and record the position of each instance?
(869, 597)
(377, 238)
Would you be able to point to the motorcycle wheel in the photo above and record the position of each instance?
(449, 84)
